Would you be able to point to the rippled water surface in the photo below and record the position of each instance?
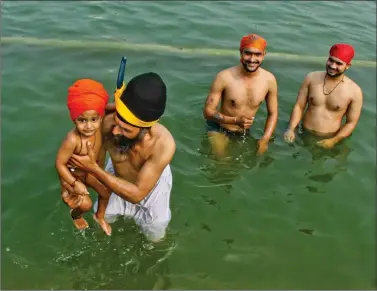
(295, 218)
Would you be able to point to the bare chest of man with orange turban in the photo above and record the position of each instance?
(236, 95)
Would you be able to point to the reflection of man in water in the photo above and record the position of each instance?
(329, 96)
(241, 90)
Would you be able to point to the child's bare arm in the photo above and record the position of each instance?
(65, 152)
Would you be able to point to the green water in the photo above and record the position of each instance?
(295, 218)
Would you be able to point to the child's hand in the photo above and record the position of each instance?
(80, 188)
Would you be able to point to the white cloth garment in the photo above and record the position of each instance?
(152, 214)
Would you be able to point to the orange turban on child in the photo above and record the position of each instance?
(343, 52)
(86, 94)
(253, 41)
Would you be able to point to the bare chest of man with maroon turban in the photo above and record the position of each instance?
(325, 98)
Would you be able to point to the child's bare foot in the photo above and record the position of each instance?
(103, 224)
(79, 222)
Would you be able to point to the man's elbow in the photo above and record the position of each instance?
(135, 197)
(207, 113)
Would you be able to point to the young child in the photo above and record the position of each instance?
(86, 102)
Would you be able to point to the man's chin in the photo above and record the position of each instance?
(250, 69)
(333, 75)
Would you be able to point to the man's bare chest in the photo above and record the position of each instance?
(338, 100)
(239, 94)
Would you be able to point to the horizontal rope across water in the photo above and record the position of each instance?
(123, 45)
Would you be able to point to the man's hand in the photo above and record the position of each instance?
(326, 143)
(244, 122)
(289, 136)
(86, 163)
(262, 146)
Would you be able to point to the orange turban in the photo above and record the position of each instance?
(86, 94)
(253, 41)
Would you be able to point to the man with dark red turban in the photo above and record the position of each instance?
(239, 91)
(330, 96)
(138, 172)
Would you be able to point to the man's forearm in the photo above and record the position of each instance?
(344, 132)
(295, 118)
(122, 188)
(221, 118)
(270, 126)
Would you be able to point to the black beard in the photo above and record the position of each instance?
(121, 143)
(333, 76)
(247, 69)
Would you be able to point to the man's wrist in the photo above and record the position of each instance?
(291, 128)
(336, 139)
(264, 139)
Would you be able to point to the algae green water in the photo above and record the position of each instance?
(295, 218)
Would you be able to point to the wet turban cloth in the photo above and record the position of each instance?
(253, 41)
(86, 94)
(342, 51)
(143, 101)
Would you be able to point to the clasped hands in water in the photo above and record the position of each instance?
(289, 137)
(244, 122)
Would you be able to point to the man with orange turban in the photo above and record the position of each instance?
(330, 95)
(239, 91)
(86, 103)
(138, 172)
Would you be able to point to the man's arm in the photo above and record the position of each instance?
(147, 178)
(272, 110)
(300, 105)
(213, 100)
(352, 117)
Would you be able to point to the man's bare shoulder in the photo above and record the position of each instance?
(267, 75)
(354, 87)
(315, 76)
(165, 143)
(227, 73)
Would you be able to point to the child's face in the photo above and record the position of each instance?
(88, 122)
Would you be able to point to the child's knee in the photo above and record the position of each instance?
(86, 203)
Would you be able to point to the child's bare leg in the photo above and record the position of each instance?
(103, 200)
(76, 213)
(78, 205)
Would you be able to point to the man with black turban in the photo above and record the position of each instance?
(138, 171)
